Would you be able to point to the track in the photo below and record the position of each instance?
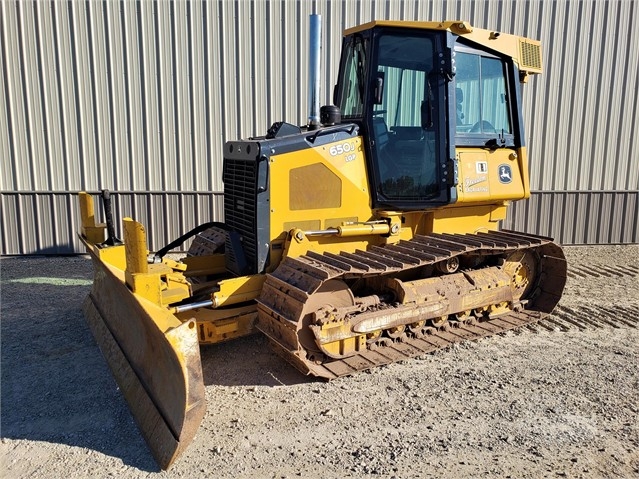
(285, 317)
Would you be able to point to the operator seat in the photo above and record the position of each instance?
(380, 131)
(383, 147)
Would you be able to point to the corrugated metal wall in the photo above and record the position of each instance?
(139, 97)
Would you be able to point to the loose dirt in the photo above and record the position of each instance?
(560, 399)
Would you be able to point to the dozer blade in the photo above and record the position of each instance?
(154, 357)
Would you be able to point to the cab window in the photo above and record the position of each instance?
(481, 95)
(352, 89)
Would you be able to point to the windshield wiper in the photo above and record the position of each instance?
(427, 116)
(360, 68)
(499, 142)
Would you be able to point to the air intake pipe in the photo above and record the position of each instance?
(315, 40)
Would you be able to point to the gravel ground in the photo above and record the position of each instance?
(557, 400)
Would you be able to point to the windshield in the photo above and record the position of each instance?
(404, 123)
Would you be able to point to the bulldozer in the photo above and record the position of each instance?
(369, 235)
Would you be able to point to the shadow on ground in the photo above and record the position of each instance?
(56, 386)
(248, 361)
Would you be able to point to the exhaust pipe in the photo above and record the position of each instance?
(315, 40)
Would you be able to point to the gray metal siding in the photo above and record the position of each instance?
(579, 217)
(139, 97)
(56, 231)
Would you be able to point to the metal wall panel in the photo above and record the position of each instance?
(139, 97)
(579, 217)
(57, 215)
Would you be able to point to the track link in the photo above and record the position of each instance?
(281, 306)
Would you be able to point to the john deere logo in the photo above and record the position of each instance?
(505, 174)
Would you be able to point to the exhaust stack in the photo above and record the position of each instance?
(315, 40)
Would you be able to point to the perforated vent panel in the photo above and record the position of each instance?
(530, 55)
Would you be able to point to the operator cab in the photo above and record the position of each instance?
(418, 93)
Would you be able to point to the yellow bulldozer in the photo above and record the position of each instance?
(367, 236)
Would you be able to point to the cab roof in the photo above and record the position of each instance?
(524, 51)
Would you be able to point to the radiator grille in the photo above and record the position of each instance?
(240, 203)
